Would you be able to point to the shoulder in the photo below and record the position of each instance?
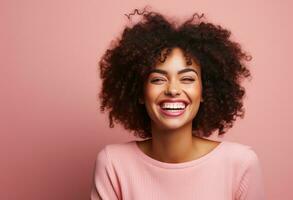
(237, 157)
(242, 159)
(245, 155)
(241, 152)
(114, 152)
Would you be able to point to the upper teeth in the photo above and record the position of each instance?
(173, 105)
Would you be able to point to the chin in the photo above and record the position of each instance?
(172, 124)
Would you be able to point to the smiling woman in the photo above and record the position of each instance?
(168, 85)
(173, 86)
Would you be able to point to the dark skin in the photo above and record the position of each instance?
(200, 147)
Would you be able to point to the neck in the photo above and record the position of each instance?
(173, 146)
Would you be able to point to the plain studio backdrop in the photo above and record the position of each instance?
(51, 128)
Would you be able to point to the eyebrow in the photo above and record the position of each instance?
(179, 72)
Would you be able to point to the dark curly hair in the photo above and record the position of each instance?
(126, 65)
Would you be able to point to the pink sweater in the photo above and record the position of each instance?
(231, 171)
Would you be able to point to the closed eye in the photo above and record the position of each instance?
(188, 79)
(184, 79)
(156, 80)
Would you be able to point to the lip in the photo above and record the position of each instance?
(172, 114)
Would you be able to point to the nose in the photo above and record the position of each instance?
(172, 89)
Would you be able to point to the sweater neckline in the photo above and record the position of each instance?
(190, 163)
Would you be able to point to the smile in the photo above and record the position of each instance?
(172, 109)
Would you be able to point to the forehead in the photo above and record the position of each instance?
(176, 61)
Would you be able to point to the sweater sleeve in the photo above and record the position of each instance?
(104, 186)
(251, 186)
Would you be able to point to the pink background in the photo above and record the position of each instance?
(51, 128)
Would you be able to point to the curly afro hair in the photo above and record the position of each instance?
(127, 62)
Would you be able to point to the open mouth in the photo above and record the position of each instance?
(173, 109)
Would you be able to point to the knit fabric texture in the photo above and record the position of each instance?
(231, 171)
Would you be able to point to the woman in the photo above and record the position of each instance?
(172, 86)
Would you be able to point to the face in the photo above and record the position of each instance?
(174, 81)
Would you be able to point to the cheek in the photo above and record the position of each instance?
(152, 92)
(194, 91)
